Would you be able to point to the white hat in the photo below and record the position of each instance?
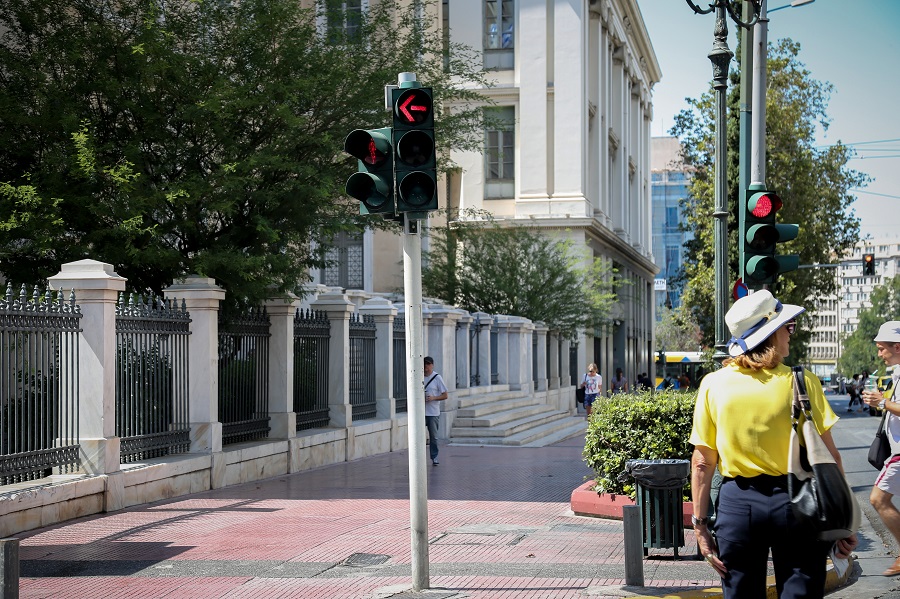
(753, 318)
(889, 332)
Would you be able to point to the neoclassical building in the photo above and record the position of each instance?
(569, 153)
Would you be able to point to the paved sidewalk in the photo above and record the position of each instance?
(499, 526)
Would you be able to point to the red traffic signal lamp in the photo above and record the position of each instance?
(868, 265)
(373, 185)
(415, 173)
(759, 236)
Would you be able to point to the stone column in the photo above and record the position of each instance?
(484, 347)
(502, 324)
(463, 370)
(383, 312)
(441, 324)
(553, 360)
(96, 286)
(519, 351)
(282, 417)
(540, 330)
(338, 308)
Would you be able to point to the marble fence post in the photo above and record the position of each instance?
(483, 359)
(338, 308)
(283, 419)
(463, 368)
(519, 335)
(383, 312)
(97, 286)
(502, 324)
(540, 330)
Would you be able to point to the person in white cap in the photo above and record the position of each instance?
(888, 482)
(742, 423)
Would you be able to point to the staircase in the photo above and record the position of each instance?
(500, 416)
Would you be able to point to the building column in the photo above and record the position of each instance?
(338, 308)
(282, 417)
(383, 312)
(96, 287)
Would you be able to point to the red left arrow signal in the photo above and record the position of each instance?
(413, 107)
(407, 109)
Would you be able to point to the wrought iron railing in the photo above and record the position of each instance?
(312, 332)
(399, 374)
(38, 385)
(534, 360)
(474, 350)
(151, 377)
(243, 376)
(362, 366)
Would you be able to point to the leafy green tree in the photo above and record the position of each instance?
(482, 266)
(199, 137)
(858, 351)
(815, 184)
(675, 331)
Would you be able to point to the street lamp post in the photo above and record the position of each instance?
(720, 57)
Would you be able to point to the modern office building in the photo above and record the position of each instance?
(669, 186)
(568, 154)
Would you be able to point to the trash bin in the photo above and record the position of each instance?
(659, 486)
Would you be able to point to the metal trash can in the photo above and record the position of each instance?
(659, 486)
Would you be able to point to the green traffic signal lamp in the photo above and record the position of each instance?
(415, 173)
(373, 185)
(760, 235)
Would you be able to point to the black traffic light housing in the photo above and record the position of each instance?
(373, 185)
(868, 265)
(759, 236)
(415, 173)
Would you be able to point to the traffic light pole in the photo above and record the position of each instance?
(415, 391)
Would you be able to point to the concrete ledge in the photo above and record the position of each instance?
(586, 502)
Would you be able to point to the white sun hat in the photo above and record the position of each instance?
(753, 318)
(889, 332)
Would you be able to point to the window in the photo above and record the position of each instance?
(499, 152)
(499, 36)
(343, 18)
(344, 262)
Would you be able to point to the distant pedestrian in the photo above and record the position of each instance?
(888, 482)
(592, 383)
(842, 385)
(619, 383)
(684, 382)
(854, 390)
(435, 391)
(742, 423)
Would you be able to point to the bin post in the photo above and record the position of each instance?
(634, 546)
(9, 575)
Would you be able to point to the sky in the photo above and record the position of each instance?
(854, 45)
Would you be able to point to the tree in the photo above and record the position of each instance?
(479, 265)
(814, 183)
(199, 137)
(675, 331)
(858, 349)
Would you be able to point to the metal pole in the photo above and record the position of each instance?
(760, 56)
(634, 545)
(746, 115)
(415, 402)
(720, 57)
(9, 573)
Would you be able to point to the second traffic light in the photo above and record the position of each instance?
(373, 185)
(415, 171)
(759, 231)
(868, 265)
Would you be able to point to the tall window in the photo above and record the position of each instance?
(499, 152)
(499, 38)
(345, 262)
(342, 18)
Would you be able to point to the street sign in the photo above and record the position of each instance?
(739, 290)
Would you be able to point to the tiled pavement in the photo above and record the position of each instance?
(499, 526)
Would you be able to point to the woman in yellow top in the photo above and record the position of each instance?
(742, 422)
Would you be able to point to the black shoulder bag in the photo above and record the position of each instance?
(880, 449)
(821, 498)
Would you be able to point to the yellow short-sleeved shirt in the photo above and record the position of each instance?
(745, 416)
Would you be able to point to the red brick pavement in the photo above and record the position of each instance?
(499, 526)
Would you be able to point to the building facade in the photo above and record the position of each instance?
(669, 186)
(568, 152)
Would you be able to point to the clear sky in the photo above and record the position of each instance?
(854, 45)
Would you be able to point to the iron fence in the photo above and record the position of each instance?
(474, 349)
(312, 332)
(38, 385)
(362, 366)
(151, 377)
(399, 374)
(534, 360)
(243, 376)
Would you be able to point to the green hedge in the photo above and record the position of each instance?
(636, 426)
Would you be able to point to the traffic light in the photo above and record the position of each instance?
(759, 235)
(373, 185)
(415, 172)
(868, 265)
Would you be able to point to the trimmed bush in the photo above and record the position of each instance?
(636, 426)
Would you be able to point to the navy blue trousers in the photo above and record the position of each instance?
(754, 515)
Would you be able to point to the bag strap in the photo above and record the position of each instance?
(801, 403)
(429, 380)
